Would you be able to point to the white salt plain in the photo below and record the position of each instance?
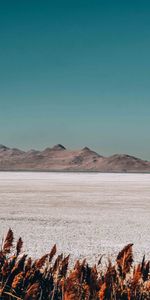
(85, 214)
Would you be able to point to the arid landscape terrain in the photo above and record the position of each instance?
(58, 158)
(90, 217)
(85, 214)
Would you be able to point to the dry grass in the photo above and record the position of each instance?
(49, 277)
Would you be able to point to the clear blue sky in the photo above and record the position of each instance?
(76, 72)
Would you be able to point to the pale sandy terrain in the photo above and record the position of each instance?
(85, 214)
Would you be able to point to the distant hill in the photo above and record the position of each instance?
(59, 158)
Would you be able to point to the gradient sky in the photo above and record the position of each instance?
(76, 72)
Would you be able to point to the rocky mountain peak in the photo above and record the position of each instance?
(86, 149)
(2, 147)
(59, 147)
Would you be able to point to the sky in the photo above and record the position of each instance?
(77, 73)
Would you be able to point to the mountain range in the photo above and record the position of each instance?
(58, 158)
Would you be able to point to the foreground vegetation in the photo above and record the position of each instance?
(49, 277)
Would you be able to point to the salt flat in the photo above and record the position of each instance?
(85, 214)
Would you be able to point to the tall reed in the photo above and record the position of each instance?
(49, 278)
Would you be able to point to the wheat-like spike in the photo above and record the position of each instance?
(8, 242)
(100, 259)
(64, 266)
(40, 262)
(125, 259)
(19, 246)
(52, 253)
